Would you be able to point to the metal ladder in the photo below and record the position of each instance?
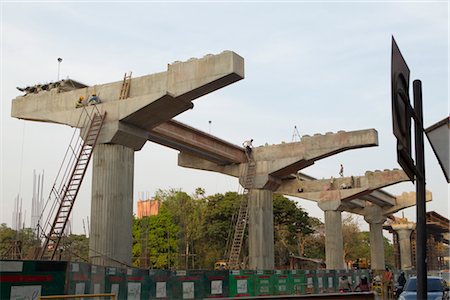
(70, 185)
(125, 90)
(241, 223)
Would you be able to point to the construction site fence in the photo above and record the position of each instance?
(31, 279)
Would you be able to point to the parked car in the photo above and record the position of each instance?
(436, 289)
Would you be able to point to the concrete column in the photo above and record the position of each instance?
(112, 205)
(404, 239)
(260, 229)
(377, 259)
(334, 243)
(373, 216)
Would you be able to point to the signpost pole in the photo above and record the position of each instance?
(421, 229)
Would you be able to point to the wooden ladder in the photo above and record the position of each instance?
(66, 198)
(241, 223)
(125, 90)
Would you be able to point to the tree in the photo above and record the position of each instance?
(291, 225)
(7, 236)
(186, 213)
(76, 248)
(217, 227)
(159, 234)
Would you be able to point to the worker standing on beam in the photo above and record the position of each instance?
(248, 146)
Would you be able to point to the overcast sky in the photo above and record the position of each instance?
(320, 66)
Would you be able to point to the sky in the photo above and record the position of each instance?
(319, 66)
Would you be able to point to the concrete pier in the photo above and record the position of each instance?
(334, 245)
(376, 219)
(260, 230)
(404, 239)
(110, 238)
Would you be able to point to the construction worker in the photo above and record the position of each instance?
(93, 100)
(80, 102)
(248, 146)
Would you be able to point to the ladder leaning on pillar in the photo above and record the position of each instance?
(68, 181)
(241, 222)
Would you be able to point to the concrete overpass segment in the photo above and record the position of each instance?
(152, 101)
(274, 164)
(356, 194)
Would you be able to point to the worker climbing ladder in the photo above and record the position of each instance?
(67, 184)
(125, 90)
(242, 220)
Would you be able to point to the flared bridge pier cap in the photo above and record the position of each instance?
(153, 99)
(276, 162)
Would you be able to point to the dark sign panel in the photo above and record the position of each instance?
(401, 110)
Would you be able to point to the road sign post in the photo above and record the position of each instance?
(402, 112)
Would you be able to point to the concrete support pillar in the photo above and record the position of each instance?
(377, 259)
(404, 239)
(334, 243)
(112, 205)
(373, 215)
(260, 229)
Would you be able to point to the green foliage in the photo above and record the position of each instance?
(201, 226)
(76, 248)
(26, 236)
(156, 237)
(217, 227)
(291, 225)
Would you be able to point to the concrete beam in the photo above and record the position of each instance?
(153, 99)
(380, 198)
(186, 139)
(275, 162)
(285, 159)
(405, 200)
(347, 189)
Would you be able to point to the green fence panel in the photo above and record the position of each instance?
(242, 283)
(29, 279)
(97, 285)
(311, 282)
(79, 278)
(282, 283)
(264, 282)
(297, 280)
(331, 281)
(138, 284)
(159, 284)
(322, 281)
(187, 284)
(216, 284)
(115, 282)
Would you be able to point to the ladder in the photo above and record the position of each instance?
(125, 90)
(70, 185)
(241, 223)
